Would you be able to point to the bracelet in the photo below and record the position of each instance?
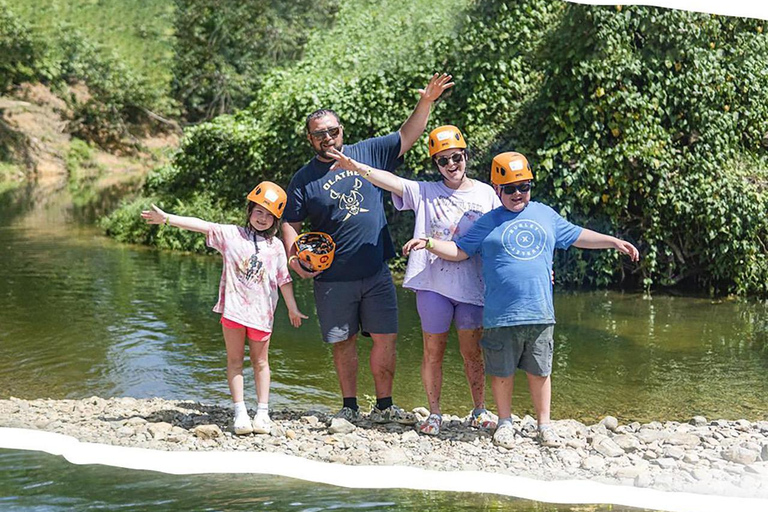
(294, 257)
(167, 220)
(366, 173)
(430, 243)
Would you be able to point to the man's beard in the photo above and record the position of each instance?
(323, 153)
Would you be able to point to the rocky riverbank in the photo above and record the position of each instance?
(710, 457)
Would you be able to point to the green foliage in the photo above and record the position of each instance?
(117, 99)
(17, 49)
(645, 123)
(140, 32)
(651, 123)
(224, 47)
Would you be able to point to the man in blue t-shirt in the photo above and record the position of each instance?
(357, 290)
(516, 242)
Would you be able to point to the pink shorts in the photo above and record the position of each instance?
(253, 334)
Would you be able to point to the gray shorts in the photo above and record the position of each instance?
(528, 347)
(343, 307)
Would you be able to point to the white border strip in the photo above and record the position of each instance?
(369, 477)
(740, 8)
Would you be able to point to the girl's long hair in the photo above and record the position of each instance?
(267, 233)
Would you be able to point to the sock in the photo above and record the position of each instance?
(504, 421)
(384, 403)
(545, 426)
(477, 411)
(262, 409)
(241, 411)
(351, 402)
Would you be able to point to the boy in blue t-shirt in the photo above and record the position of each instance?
(516, 242)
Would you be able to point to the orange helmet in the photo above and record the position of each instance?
(510, 167)
(270, 196)
(315, 250)
(445, 137)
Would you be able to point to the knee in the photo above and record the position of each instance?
(261, 363)
(433, 355)
(235, 364)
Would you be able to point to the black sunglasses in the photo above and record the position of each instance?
(455, 158)
(511, 189)
(320, 134)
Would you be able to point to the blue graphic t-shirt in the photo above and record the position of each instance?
(517, 250)
(347, 207)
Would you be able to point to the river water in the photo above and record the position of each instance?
(82, 315)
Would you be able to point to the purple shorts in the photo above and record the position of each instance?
(438, 311)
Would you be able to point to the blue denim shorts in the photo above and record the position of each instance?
(343, 307)
(528, 347)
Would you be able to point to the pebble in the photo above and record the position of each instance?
(717, 457)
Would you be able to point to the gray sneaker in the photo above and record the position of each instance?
(392, 414)
(348, 413)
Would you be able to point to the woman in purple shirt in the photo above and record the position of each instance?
(446, 292)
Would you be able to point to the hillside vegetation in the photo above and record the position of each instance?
(648, 123)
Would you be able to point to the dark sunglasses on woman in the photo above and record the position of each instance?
(444, 160)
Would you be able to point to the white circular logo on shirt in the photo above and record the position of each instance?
(524, 239)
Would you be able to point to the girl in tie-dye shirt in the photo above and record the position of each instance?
(255, 266)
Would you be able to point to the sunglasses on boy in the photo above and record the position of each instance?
(320, 134)
(443, 161)
(522, 188)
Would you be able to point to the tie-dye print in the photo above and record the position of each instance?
(248, 292)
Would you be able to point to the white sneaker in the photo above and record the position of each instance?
(262, 424)
(242, 425)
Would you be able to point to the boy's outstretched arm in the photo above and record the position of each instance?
(589, 239)
(290, 301)
(158, 216)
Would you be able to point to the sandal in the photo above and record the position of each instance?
(483, 418)
(431, 426)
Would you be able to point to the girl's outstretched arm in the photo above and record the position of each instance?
(290, 301)
(158, 216)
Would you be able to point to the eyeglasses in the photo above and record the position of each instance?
(455, 158)
(511, 189)
(320, 134)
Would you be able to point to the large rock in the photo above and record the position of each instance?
(340, 426)
(698, 421)
(159, 430)
(605, 446)
(206, 431)
(740, 455)
(610, 423)
(682, 439)
(627, 442)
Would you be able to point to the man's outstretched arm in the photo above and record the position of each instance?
(414, 126)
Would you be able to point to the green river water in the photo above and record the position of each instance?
(81, 315)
